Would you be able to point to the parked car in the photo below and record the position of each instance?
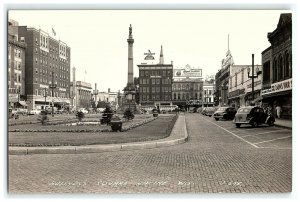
(254, 116)
(34, 111)
(83, 110)
(226, 113)
(208, 111)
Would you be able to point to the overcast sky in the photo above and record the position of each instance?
(98, 38)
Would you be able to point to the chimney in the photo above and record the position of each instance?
(108, 90)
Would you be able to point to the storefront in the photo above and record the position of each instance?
(280, 94)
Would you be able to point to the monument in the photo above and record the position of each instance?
(130, 89)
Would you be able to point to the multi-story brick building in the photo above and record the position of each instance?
(16, 65)
(277, 67)
(187, 87)
(155, 84)
(47, 62)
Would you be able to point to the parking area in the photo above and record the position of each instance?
(263, 136)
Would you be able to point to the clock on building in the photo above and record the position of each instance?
(187, 68)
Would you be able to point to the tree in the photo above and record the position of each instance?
(137, 92)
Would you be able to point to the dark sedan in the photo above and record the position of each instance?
(226, 113)
(254, 116)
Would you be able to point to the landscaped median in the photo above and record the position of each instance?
(143, 128)
(176, 128)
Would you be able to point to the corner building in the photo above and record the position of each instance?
(277, 67)
(44, 55)
(155, 88)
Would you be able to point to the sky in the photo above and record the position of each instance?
(98, 38)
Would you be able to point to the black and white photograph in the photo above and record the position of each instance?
(158, 101)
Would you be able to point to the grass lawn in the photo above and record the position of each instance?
(157, 129)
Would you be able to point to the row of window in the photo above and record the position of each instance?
(155, 97)
(155, 89)
(186, 86)
(156, 81)
(155, 73)
(282, 67)
(16, 77)
(42, 92)
(186, 96)
(18, 52)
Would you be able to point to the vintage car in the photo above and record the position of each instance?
(254, 116)
(226, 113)
(208, 111)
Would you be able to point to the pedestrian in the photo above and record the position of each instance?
(278, 111)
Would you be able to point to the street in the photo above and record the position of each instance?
(217, 158)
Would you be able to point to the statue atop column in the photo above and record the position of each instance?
(130, 30)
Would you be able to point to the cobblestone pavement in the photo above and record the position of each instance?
(216, 159)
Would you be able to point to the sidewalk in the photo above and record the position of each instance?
(284, 123)
(178, 135)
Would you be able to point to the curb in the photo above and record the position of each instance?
(178, 135)
(282, 126)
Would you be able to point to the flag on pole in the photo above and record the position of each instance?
(53, 32)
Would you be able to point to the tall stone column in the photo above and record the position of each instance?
(130, 41)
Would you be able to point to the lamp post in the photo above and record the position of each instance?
(258, 72)
(45, 95)
(95, 93)
(52, 85)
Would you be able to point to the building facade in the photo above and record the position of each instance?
(277, 67)
(83, 94)
(16, 66)
(222, 80)
(208, 93)
(47, 65)
(187, 92)
(155, 84)
(240, 86)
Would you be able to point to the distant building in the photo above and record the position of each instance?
(208, 93)
(187, 87)
(155, 84)
(46, 56)
(277, 67)
(222, 80)
(187, 93)
(16, 66)
(83, 94)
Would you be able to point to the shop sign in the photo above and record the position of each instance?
(278, 87)
(236, 93)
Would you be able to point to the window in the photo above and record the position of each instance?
(287, 65)
(153, 81)
(157, 81)
(280, 68)
(275, 78)
(174, 96)
(266, 71)
(169, 73)
(153, 89)
(157, 89)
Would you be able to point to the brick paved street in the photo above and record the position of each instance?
(218, 158)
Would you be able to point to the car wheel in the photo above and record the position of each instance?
(238, 125)
(217, 119)
(271, 123)
(254, 124)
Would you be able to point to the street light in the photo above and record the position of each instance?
(52, 85)
(45, 95)
(258, 72)
(95, 93)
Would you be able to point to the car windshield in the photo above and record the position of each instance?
(222, 109)
(244, 110)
